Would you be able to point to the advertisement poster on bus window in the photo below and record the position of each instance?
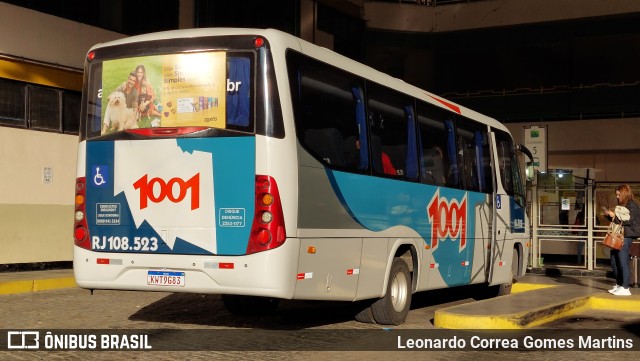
(172, 90)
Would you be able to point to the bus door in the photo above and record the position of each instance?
(501, 252)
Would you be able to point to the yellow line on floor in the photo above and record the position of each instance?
(12, 287)
(524, 287)
(609, 302)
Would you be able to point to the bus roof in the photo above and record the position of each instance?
(321, 53)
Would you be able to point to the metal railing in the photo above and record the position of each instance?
(557, 240)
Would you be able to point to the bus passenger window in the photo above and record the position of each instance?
(325, 109)
(475, 160)
(438, 163)
(388, 122)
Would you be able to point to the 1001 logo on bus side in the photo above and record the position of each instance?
(448, 219)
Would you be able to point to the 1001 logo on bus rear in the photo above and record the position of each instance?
(166, 190)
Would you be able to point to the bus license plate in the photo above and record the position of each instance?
(165, 278)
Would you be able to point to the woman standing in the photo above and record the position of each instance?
(620, 258)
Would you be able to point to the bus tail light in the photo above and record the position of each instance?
(80, 228)
(268, 230)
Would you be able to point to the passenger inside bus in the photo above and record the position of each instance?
(352, 152)
(327, 144)
(387, 165)
(381, 161)
(396, 156)
(433, 166)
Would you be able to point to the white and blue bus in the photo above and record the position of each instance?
(252, 164)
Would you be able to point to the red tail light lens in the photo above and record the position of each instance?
(80, 228)
(267, 231)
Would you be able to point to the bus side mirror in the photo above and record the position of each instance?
(529, 172)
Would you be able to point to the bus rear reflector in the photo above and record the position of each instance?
(110, 261)
(267, 230)
(80, 234)
(166, 131)
(80, 229)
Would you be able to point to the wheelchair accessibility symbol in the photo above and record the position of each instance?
(100, 174)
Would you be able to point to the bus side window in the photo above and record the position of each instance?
(388, 123)
(473, 148)
(437, 146)
(326, 112)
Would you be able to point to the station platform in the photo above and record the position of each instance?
(538, 298)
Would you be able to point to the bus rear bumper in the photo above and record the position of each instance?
(269, 274)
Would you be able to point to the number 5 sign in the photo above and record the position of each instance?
(535, 139)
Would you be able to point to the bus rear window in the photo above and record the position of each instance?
(206, 89)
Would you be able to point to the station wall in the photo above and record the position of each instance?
(609, 146)
(37, 168)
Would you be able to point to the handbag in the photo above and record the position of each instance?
(615, 236)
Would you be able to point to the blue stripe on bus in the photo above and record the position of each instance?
(517, 217)
(234, 170)
(379, 204)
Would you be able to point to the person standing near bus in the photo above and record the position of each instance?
(620, 258)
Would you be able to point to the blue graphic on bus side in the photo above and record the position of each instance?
(517, 217)
(443, 217)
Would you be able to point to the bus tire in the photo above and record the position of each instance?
(365, 314)
(392, 309)
(250, 305)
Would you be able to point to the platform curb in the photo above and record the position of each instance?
(521, 320)
(622, 303)
(13, 287)
(447, 318)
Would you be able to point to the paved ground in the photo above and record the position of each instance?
(196, 322)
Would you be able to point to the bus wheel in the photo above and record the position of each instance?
(250, 305)
(392, 309)
(365, 314)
